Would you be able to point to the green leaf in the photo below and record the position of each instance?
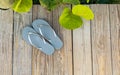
(71, 1)
(88, 1)
(69, 20)
(22, 5)
(83, 11)
(5, 4)
(50, 4)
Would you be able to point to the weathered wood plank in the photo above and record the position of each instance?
(82, 50)
(115, 37)
(60, 63)
(41, 63)
(35, 12)
(63, 58)
(22, 51)
(101, 49)
(6, 31)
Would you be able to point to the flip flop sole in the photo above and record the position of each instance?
(47, 32)
(37, 41)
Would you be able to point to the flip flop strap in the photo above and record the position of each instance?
(29, 38)
(46, 26)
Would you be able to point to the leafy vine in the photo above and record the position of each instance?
(69, 19)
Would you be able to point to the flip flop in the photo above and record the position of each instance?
(34, 39)
(43, 28)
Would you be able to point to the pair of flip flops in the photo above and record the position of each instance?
(42, 36)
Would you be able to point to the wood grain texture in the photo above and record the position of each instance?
(101, 49)
(22, 51)
(63, 58)
(6, 31)
(93, 49)
(115, 37)
(41, 63)
(82, 50)
(60, 63)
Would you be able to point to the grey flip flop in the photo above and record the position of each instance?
(43, 28)
(34, 39)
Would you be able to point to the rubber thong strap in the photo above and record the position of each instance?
(29, 38)
(46, 26)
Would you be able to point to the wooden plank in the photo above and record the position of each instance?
(101, 49)
(41, 63)
(62, 58)
(82, 50)
(22, 51)
(115, 37)
(60, 63)
(35, 12)
(6, 31)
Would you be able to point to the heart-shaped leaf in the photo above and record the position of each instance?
(50, 4)
(83, 11)
(69, 20)
(22, 5)
(5, 4)
(72, 1)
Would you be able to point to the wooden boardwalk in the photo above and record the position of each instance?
(93, 49)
